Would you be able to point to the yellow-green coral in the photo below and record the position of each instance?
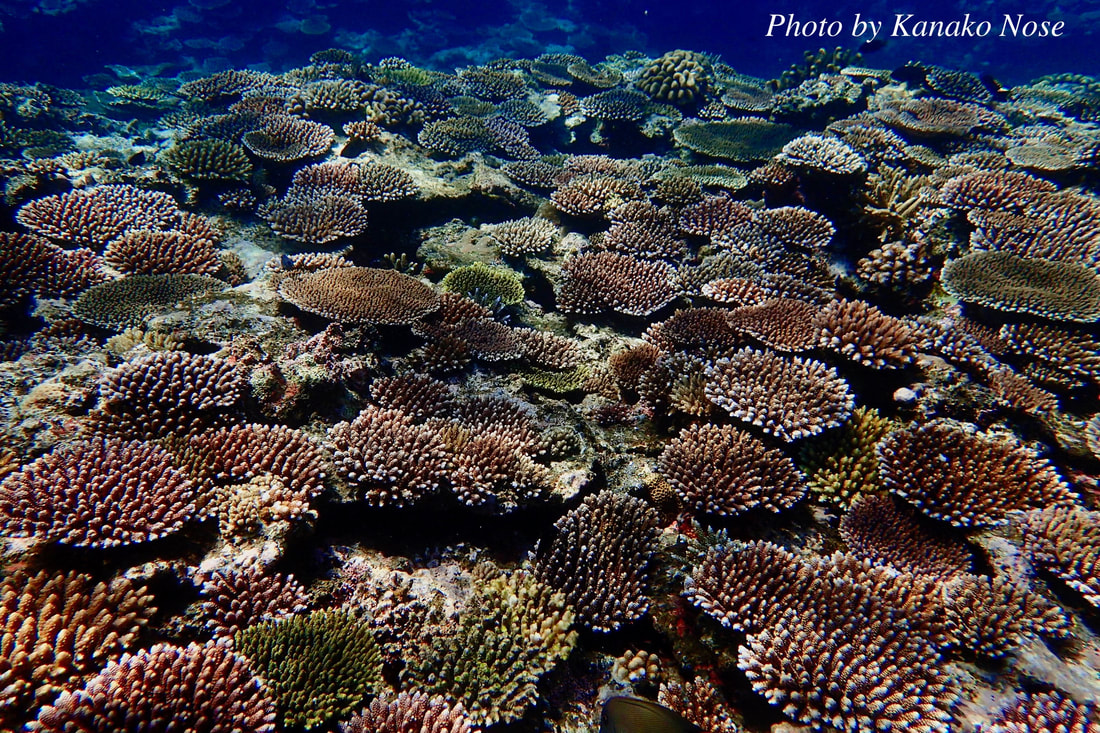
(841, 465)
(515, 630)
(485, 283)
(319, 666)
(208, 160)
(557, 381)
(743, 141)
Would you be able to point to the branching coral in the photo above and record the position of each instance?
(319, 666)
(965, 478)
(788, 398)
(607, 281)
(57, 627)
(1066, 541)
(514, 631)
(98, 493)
(725, 471)
(410, 712)
(599, 556)
(193, 689)
(243, 595)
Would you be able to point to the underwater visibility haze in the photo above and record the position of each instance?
(514, 366)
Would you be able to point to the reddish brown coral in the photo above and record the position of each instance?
(876, 528)
(866, 335)
(97, 493)
(387, 458)
(1066, 541)
(725, 471)
(991, 616)
(592, 194)
(1040, 712)
(197, 688)
(360, 295)
(92, 217)
(148, 252)
(783, 324)
(788, 398)
(607, 281)
(965, 478)
(168, 394)
(283, 139)
(410, 712)
(242, 595)
(879, 676)
(242, 452)
(58, 626)
(599, 556)
(319, 218)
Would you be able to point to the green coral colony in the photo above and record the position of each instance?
(366, 397)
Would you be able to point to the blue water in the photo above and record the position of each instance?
(63, 41)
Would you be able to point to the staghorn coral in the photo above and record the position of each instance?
(318, 667)
(98, 493)
(410, 712)
(607, 281)
(360, 295)
(788, 398)
(599, 557)
(965, 478)
(514, 630)
(629, 365)
(193, 689)
(387, 457)
(242, 595)
(1007, 282)
(146, 252)
(1066, 541)
(167, 393)
(285, 139)
(866, 335)
(207, 160)
(1057, 226)
(31, 265)
(878, 529)
(548, 350)
(419, 396)
(130, 301)
(1072, 354)
(1038, 712)
(725, 471)
(58, 626)
(679, 77)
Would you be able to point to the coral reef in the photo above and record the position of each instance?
(468, 395)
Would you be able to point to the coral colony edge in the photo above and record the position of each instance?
(367, 397)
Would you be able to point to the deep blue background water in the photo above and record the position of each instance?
(63, 41)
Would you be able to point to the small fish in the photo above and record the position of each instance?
(995, 88)
(635, 715)
(876, 44)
